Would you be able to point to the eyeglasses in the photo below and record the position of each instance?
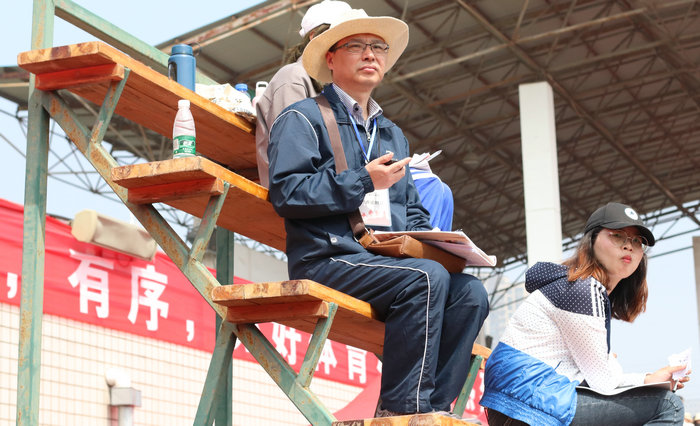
(356, 47)
(620, 238)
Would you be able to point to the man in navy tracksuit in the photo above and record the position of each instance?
(432, 316)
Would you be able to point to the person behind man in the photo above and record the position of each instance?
(291, 83)
(432, 317)
(435, 195)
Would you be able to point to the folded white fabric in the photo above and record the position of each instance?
(227, 97)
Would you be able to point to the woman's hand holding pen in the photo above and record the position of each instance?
(384, 172)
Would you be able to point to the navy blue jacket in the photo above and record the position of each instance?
(313, 199)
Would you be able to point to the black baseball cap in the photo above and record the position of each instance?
(618, 216)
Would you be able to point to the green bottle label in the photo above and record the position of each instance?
(183, 146)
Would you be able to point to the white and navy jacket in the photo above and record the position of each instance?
(558, 338)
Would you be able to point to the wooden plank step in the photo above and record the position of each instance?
(149, 98)
(427, 419)
(355, 322)
(186, 184)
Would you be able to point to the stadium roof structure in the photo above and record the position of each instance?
(625, 76)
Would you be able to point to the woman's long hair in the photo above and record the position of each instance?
(629, 298)
(295, 52)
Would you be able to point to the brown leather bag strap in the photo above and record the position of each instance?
(359, 230)
(341, 164)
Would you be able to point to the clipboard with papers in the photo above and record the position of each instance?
(620, 389)
(455, 242)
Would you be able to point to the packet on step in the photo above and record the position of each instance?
(228, 98)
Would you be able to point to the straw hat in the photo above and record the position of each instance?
(393, 31)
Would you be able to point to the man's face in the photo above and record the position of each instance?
(363, 70)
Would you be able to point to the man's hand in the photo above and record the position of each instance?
(383, 176)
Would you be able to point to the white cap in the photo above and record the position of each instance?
(326, 12)
(183, 103)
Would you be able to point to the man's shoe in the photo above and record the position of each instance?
(382, 412)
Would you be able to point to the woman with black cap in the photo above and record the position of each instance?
(559, 338)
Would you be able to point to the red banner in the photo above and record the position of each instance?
(95, 285)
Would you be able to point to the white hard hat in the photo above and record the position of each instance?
(325, 12)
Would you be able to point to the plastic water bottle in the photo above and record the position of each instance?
(183, 131)
(182, 65)
(260, 87)
(243, 88)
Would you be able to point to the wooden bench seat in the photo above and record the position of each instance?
(187, 183)
(427, 419)
(298, 304)
(149, 98)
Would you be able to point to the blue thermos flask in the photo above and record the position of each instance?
(181, 65)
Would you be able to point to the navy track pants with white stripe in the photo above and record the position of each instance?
(432, 319)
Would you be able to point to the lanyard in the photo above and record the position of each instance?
(359, 138)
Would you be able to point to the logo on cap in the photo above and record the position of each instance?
(629, 211)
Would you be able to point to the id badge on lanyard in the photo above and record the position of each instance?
(376, 208)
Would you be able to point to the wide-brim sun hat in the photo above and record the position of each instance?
(393, 31)
(618, 216)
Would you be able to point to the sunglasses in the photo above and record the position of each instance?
(620, 238)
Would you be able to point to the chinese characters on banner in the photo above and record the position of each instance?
(94, 285)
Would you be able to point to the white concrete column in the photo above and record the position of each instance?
(540, 173)
(696, 258)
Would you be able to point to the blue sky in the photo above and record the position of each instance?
(155, 22)
(670, 324)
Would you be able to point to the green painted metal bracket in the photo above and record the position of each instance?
(461, 402)
(107, 108)
(220, 361)
(34, 226)
(225, 243)
(224, 273)
(42, 25)
(33, 255)
(105, 30)
(279, 370)
(208, 224)
(81, 136)
(222, 414)
(218, 406)
(315, 348)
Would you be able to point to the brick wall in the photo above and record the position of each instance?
(73, 390)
